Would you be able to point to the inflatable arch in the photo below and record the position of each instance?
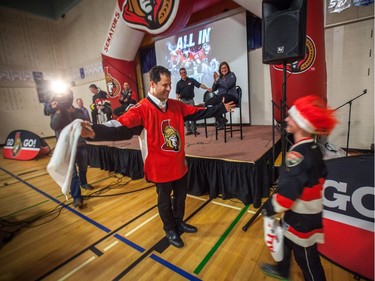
(133, 18)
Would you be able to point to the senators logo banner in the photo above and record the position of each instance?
(24, 145)
(113, 85)
(152, 16)
(304, 64)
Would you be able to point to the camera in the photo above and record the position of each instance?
(64, 100)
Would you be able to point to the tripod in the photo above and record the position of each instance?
(350, 113)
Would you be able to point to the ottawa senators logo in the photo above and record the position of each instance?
(171, 137)
(152, 16)
(113, 85)
(303, 65)
(17, 144)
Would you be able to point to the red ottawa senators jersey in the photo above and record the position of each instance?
(162, 140)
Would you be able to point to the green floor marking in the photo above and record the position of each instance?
(220, 241)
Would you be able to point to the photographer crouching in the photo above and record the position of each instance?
(62, 114)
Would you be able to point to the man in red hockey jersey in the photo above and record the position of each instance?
(161, 121)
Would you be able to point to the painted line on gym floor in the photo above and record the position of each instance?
(220, 241)
(130, 243)
(159, 247)
(24, 209)
(96, 243)
(232, 207)
(110, 246)
(174, 268)
(102, 227)
(96, 251)
(77, 268)
(141, 225)
(42, 202)
(196, 197)
(226, 205)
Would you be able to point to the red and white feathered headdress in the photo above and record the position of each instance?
(312, 115)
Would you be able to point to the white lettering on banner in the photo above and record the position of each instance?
(204, 36)
(342, 199)
(357, 200)
(187, 41)
(10, 142)
(29, 143)
(111, 31)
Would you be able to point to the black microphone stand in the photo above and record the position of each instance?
(350, 113)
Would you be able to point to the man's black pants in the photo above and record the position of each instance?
(171, 202)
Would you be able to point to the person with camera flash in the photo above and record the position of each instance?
(63, 113)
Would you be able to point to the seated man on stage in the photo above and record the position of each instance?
(125, 100)
(101, 105)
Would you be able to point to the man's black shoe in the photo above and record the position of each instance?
(174, 239)
(78, 203)
(220, 126)
(188, 133)
(272, 270)
(220, 123)
(184, 227)
(87, 186)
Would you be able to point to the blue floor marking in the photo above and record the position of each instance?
(102, 227)
(130, 243)
(176, 269)
(163, 262)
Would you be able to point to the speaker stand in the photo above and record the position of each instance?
(283, 116)
(283, 132)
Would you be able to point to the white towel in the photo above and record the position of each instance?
(60, 167)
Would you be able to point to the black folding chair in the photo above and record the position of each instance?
(229, 127)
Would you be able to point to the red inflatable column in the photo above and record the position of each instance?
(131, 19)
(307, 76)
(116, 73)
(118, 53)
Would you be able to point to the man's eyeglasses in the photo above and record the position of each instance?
(182, 73)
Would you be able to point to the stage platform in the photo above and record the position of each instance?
(240, 169)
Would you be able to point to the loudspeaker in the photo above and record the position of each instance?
(283, 30)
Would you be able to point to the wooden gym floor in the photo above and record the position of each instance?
(119, 235)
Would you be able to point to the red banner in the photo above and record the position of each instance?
(349, 214)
